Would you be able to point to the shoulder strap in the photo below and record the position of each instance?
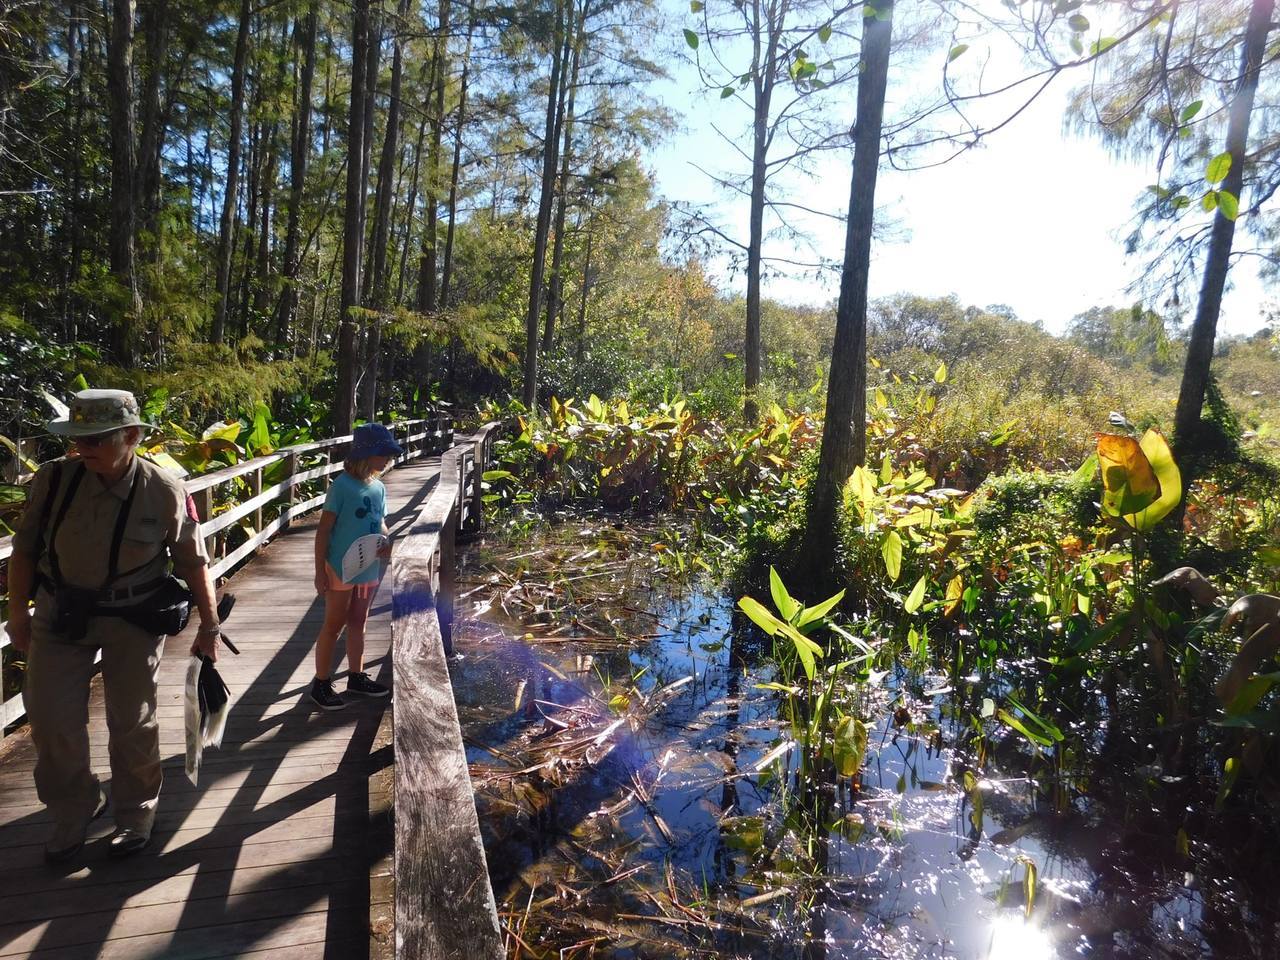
(72, 486)
(117, 536)
(46, 508)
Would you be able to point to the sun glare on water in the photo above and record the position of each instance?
(1013, 938)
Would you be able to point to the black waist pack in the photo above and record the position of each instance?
(164, 613)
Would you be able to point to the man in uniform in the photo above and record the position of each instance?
(98, 534)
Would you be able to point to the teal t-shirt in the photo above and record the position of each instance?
(359, 508)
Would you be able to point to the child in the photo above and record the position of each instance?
(354, 507)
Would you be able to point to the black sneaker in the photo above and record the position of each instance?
(322, 695)
(360, 685)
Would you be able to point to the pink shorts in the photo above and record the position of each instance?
(364, 591)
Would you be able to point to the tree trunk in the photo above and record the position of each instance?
(253, 170)
(382, 220)
(412, 205)
(1195, 374)
(844, 430)
(123, 170)
(582, 302)
(550, 148)
(353, 227)
(446, 280)
(764, 71)
(556, 286)
(223, 287)
(155, 33)
(427, 291)
(300, 153)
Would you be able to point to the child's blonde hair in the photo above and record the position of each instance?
(362, 468)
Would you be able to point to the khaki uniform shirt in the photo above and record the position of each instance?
(158, 528)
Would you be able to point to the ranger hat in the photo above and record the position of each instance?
(98, 411)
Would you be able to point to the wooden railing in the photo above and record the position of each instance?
(444, 906)
(217, 515)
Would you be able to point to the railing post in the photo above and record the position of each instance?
(291, 486)
(255, 488)
(447, 581)
(204, 510)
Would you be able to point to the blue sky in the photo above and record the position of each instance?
(1034, 218)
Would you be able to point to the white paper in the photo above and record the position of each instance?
(361, 555)
(191, 715)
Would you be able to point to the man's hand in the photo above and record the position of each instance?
(206, 642)
(19, 630)
(384, 551)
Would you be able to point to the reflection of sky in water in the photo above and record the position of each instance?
(915, 881)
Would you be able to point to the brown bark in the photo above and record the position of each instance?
(353, 227)
(227, 223)
(299, 156)
(556, 286)
(1195, 374)
(123, 237)
(844, 430)
(550, 149)
(446, 280)
(428, 299)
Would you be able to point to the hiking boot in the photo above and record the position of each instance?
(360, 685)
(322, 695)
(68, 840)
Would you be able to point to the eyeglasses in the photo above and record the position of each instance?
(96, 440)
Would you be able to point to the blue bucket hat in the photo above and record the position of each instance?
(373, 440)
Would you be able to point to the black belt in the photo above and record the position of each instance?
(120, 593)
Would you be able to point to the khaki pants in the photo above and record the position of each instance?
(56, 696)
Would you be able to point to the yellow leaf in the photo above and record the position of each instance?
(1129, 484)
(955, 592)
(1169, 478)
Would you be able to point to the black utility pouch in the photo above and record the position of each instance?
(72, 608)
(164, 613)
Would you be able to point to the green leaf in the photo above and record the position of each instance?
(916, 597)
(492, 476)
(1085, 472)
(1190, 110)
(761, 617)
(691, 39)
(696, 6)
(1076, 46)
(849, 745)
(1008, 718)
(811, 614)
(782, 600)
(1228, 204)
(1099, 46)
(940, 375)
(824, 33)
(957, 51)
(1218, 168)
(1078, 22)
(1160, 456)
(891, 550)
(726, 93)
(1209, 202)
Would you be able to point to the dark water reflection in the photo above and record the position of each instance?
(652, 842)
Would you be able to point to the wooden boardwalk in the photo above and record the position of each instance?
(284, 848)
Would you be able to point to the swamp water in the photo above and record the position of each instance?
(630, 775)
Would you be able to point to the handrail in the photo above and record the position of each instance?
(417, 437)
(444, 905)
